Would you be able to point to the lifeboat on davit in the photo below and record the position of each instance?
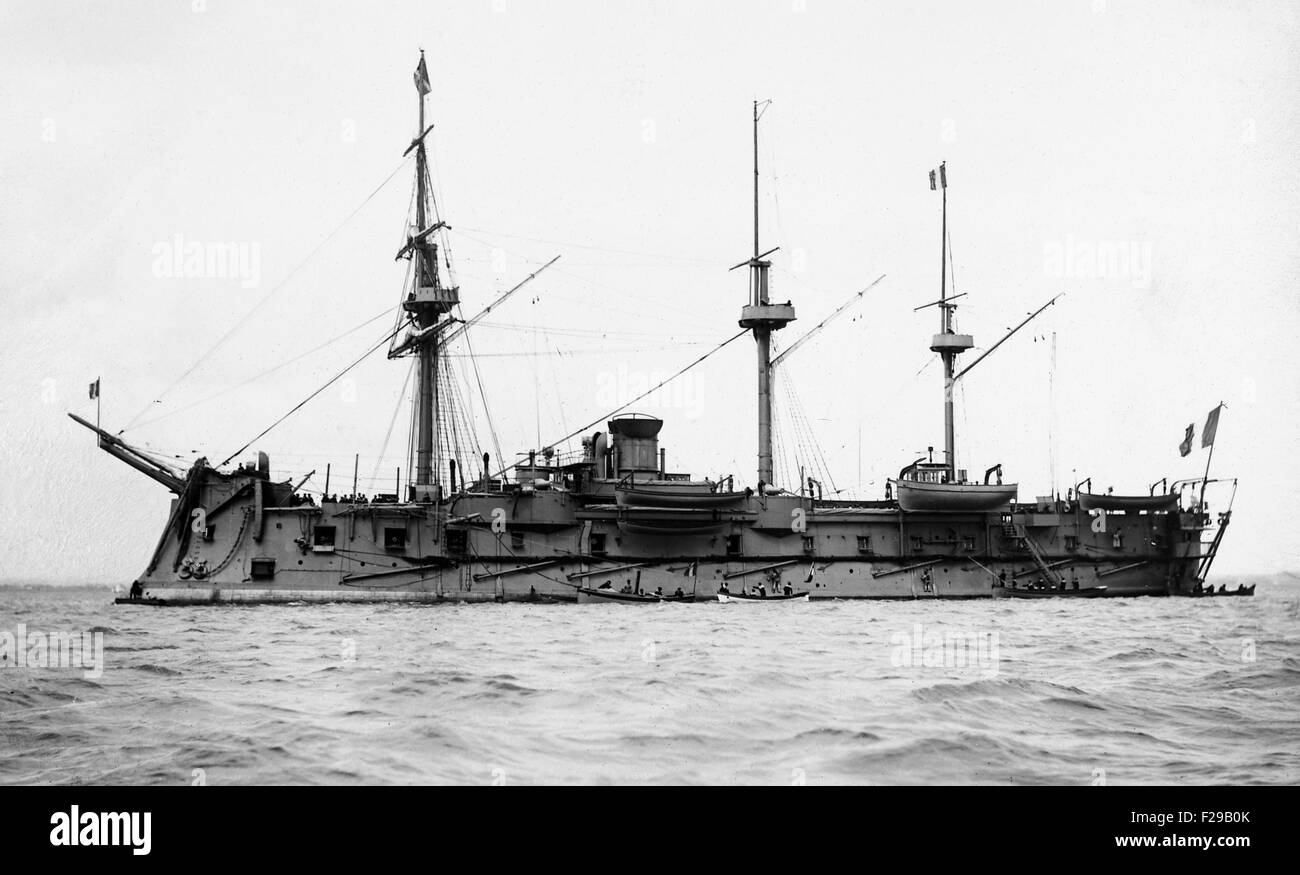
(929, 486)
(1097, 501)
(676, 495)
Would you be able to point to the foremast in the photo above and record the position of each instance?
(426, 304)
(762, 317)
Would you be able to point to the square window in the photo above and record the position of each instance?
(262, 568)
(516, 540)
(733, 545)
(808, 544)
(323, 539)
(394, 538)
(864, 543)
(457, 541)
(598, 545)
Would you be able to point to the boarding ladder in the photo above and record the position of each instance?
(1037, 554)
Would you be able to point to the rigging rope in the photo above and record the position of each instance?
(678, 317)
(627, 404)
(269, 295)
(952, 265)
(303, 402)
(654, 255)
(401, 397)
(487, 409)
(268, 371)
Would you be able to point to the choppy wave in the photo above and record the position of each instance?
(1127, 691)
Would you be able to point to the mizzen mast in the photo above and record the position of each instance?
(427, 302)
(762, 317)
(948, 344)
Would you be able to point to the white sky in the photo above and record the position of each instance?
(617, 135)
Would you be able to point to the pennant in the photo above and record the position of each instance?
(94, 390)
(1186, 446)
(422, 78)
(1211, 426)
(943, 176)
(692, 569)
(809, 578)
(933, 187)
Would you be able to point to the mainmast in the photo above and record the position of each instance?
(427, 302)
(762, 318)
(946, 343)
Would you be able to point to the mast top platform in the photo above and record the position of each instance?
(769, 316)
(950, 343)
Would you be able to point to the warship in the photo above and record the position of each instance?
(610, 522)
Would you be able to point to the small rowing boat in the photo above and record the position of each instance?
(587, 595)
(1087, 592)
(728, 598)
(1241, 589)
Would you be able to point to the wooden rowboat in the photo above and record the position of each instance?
(728, 598)
(587, 595)
(1241, 589)
(1087, 592)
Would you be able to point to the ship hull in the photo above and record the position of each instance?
(543, 546)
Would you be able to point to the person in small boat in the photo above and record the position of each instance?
(606, 585)
(679, 593)
(788, 589)
(722, 589)
(136, 590)
(659, 590)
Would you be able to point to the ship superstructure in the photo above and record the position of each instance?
(615, 517)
